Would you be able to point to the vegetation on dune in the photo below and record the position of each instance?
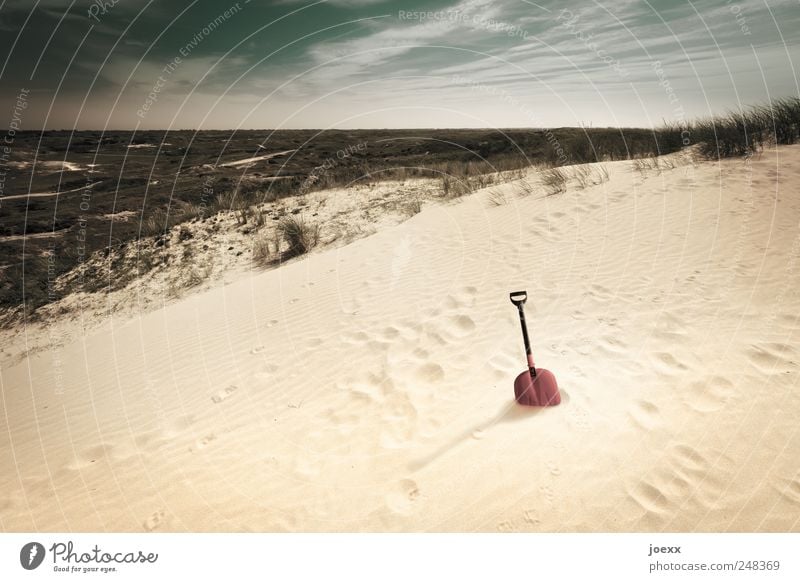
(300, 235)
(185, 183)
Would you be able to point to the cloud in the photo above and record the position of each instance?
(342, 3)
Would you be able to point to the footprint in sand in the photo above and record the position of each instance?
(272, 323)
(649, 497)
(355, 337)
(430, 372)
(204, 442)
(266, 372)
(183, 422)
(390, 333)
(258, 349)
(711, 395)
(421, 354)
(405, 495)
(771, 357)
(645, 415)
(668, 363)
(154, 521)
(223, 394)
(789, 489)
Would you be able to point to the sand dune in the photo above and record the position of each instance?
(369, 387)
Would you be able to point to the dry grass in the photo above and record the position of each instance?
(555, 181)
(300, 236)
(412, 207)
(262, 250)
(523, 188)
(496, 198)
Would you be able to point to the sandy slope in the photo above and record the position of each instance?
(369, 387)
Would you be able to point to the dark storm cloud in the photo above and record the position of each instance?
(387, 63)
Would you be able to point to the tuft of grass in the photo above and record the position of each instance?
(582, 175)
(260, 218)
(262, 251)
(602, 175)
(300, 236)
(555, 181)
(524, 188)
(496, 198)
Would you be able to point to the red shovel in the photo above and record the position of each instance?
(534, 386)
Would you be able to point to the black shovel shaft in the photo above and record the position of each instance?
(524, 326)
(519, 303)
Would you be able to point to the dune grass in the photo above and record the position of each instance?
(299, 235)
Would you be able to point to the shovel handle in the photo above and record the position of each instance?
(518, 297)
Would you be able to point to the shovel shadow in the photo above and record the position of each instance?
(510, 413)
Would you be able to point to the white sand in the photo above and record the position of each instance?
(369, 387)
(255, 159)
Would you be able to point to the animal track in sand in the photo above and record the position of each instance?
(547, 494)
(258, 349)
(224, 394)
(272, 323)
(553, 467)
(581, 419)
(506, 526)
(531, 516)
(155, 520)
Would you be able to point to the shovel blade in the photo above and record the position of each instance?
(539, 391)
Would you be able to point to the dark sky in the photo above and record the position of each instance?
(373, 63)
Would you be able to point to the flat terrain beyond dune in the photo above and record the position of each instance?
(370, 387)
